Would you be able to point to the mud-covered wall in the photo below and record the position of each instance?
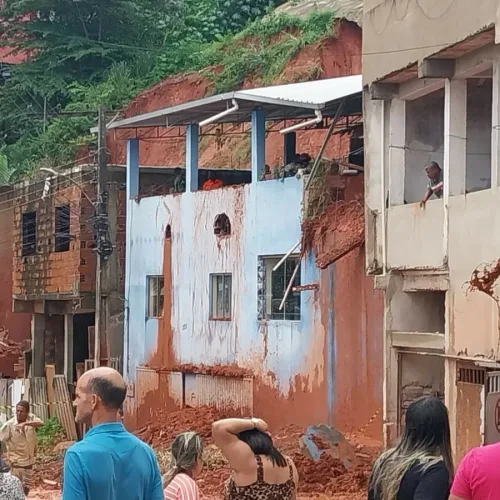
(323, 368)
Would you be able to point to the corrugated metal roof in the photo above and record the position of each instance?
(280, 102)
(318, 92)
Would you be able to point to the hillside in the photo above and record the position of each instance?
(299, 41)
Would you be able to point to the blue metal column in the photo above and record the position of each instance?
(132, 168)
(132, 192)
(258, 144)
(192, 137)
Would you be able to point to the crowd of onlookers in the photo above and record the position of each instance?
(110, 463)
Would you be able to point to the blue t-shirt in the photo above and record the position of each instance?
(111, 464)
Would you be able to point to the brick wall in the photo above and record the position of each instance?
(46, 272)
(18, 324)
(415, 391)
(69, 273)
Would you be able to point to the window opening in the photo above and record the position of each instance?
(62, 226)
(276, 284)
(222, 225)
(155, 296)
(220, 303)
(29, 233)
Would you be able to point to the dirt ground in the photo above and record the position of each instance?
(325, 479)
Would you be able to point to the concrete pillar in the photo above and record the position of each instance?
(455, 138)
(397, 152)
(68, 348)
(38, 345)
(495, 125)
(132, 168)
(192, 137)
(258, 144)
(289, 147)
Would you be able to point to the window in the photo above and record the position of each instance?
(276, 283)
(62, 221)
(29, 233)
(220, 300)
(222, 225)
(155, 296)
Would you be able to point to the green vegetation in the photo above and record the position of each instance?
(49, 435)
(106, 51)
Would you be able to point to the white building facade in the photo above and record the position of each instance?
(431, 93)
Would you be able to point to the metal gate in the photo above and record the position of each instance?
(492, 424)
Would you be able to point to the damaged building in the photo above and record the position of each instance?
(54, 268)
(248, 297)
(435, 99)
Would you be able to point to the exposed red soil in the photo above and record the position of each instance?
(484, 279)
(339, 230)
(327, 477)
(337, 56)
(232, 370)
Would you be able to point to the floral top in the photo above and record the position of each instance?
(10, 487)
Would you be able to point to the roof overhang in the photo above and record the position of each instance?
(281, 102)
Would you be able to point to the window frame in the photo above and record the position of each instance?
(227, 297)
(62, 239)
(32, 245)
(287, 268)
(155, 311)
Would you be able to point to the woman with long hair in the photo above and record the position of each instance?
(420, 467)
(259, 470)
(186, 462)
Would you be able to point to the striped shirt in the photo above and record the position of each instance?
(182, 487)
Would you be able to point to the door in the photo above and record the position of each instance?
(492, 424)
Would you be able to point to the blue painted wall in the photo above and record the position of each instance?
(266, 221)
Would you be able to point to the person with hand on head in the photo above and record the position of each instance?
(109, 463)
(420, 467)
(478, 476)
(19, 436)
(259, 470)
(186, 463)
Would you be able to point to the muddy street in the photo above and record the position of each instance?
(326, 478)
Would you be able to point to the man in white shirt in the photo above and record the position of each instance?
(19, 436)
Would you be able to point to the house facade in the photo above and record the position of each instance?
(209, 320)
(431, 75)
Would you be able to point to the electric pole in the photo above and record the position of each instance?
(104, 248)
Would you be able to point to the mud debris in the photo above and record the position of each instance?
(326, 478)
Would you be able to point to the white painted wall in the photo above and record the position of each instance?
(424, 370)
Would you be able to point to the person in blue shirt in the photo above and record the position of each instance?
(109, 463)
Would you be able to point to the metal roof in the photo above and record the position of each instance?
(280, 102)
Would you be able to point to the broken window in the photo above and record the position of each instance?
(155, 296)
(222, 225)
(220, 300)
(28, 233)
(62, 223)
(276, 284)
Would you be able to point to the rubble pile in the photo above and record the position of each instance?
(325, 478)
(339, 230)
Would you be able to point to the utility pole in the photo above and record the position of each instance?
(104, 247)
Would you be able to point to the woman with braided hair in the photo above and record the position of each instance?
(186, 463)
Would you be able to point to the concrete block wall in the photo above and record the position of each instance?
(47, 271)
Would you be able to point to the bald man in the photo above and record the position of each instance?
(109, 463)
